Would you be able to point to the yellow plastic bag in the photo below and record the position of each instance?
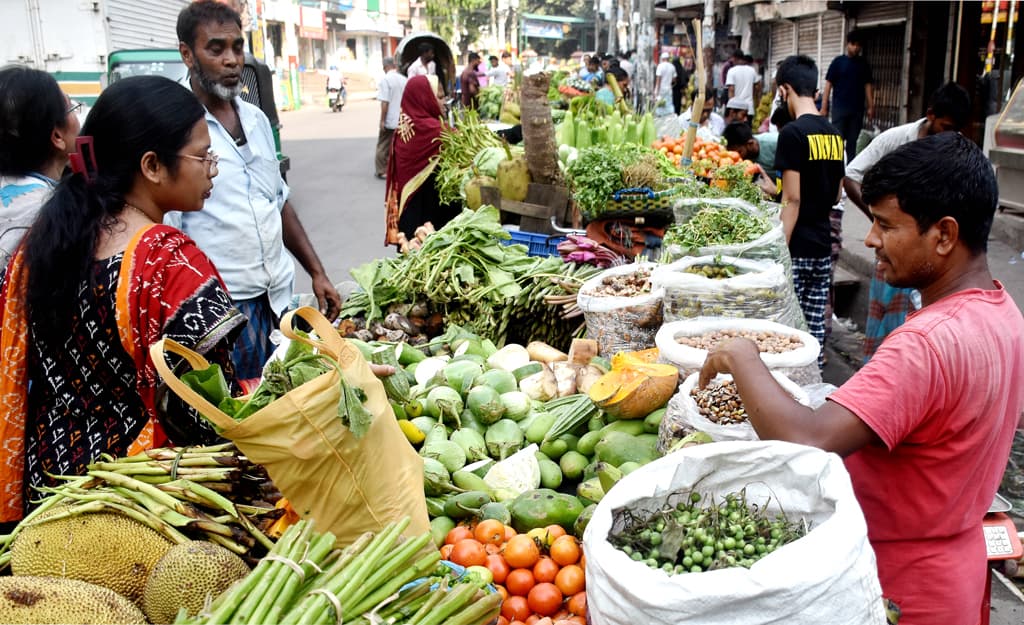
(347, 485)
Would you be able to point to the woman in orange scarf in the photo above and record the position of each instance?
(96, 281)
(411, 197)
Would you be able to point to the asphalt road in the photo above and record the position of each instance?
(333, 189)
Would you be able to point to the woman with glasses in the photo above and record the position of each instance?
(38, 127)
(98, 279)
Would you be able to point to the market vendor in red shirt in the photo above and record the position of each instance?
(926, 425)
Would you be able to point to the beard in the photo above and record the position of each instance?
(213, 87)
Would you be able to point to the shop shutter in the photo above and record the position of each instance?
(833, 40)
(138, 24)
(884, 52)
(783, 44)
(880, 13)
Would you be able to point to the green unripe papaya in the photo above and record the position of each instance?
(582, 520)
(543, 507)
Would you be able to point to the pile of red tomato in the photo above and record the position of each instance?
(540, 575)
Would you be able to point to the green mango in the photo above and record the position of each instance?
(617, 448)
(543, 507)
(652, 422)
(540, 426)
(555, 449)
(439, 529)
(583, 520)
(633, 427)
(550, 474)
(587, 442)
(572, 464)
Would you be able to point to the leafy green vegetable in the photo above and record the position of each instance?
(717, 226)
(596, 173)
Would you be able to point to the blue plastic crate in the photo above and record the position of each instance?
(537, 244)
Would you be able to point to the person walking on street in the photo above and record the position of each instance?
(389, 94)
(424, 64)
(888, 306)
(249, 226)
(849, 84)
(39, 125)
(470, 82)
(926, 426)
(664, 78)
(810, 157)
(743, 82)
(498, 72)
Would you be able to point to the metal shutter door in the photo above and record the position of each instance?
(833, 41)
(143, 23)
(881, 12)
(782, 45)
(884, 51)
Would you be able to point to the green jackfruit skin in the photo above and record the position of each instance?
(186, 576)
(103, 548)
(56, 600)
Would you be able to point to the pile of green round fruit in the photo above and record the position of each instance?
(693, 537)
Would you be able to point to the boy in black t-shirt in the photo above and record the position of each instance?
(810, 157)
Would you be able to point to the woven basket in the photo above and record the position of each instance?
(638, 202)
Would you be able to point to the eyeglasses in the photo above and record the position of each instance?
(210, 159)
(75, 107)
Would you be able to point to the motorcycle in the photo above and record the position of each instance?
(337, 98)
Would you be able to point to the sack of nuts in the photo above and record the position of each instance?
(716, 410)
(622, 309)
(792, 352)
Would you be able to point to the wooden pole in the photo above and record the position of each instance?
(698, 98)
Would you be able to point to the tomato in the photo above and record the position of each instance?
(446, 552)
(545, 570)
(502, 591)
(458, 533)
(578, 603)
(533, 619)
(565, 550)
(492, 549)
(545, 598)
(519, 582)
(574, 619)
(515, 609)
(521, 552)
(570, 579)
(725, 162)
(502, 620)
(542, 621)
(509, 532)
(469, 552)
(490, 532)
(498, 567)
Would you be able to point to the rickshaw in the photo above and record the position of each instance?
(408, 51)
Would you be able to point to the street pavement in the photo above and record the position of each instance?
(341, 204)
(333, 188)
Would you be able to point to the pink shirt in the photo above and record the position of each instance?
(944, 392)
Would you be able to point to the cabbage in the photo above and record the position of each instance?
(487, 160)
(516, 474)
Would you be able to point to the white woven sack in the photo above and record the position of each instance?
(828, 576)
(621, 324)
(683, 414)
(799, 365)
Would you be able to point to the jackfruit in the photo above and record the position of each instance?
(104, 548)
(55, 600)
(187, 577)
(474, 197)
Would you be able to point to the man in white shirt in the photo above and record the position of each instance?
(948, 110)
(389, 94)
(711, 124)
(247, 226)
(498, 72)
(665, 75)
(424, 64)
(743, 82)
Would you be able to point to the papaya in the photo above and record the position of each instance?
(543, 507)
(617, 448)
(634, 388)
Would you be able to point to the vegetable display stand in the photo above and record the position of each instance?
(543, 201)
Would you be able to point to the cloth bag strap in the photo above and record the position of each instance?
(158, 351)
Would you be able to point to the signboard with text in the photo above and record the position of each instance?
(538, 29)
(312, 23)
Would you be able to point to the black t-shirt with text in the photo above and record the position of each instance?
(814, 148)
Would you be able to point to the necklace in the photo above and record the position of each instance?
(139, 211)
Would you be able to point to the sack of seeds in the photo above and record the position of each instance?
(726, 286)
(716, 410)
(622, 309)
(792, 352)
